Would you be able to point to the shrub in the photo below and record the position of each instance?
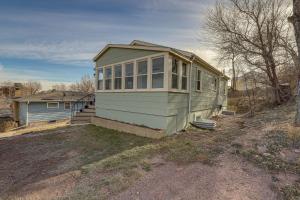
(7, 124)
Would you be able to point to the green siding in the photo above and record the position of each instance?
(206, 102)
(141, 108)
(116, 55)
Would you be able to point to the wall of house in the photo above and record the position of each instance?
(38, 111)
(141, 108)
(115, 55)
(206, 102)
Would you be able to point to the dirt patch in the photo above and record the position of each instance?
(229, 179)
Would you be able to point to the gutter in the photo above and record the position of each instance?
(190, 91)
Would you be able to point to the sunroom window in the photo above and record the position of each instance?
(108, 78)
(175, 73)
(142, 74)
(129, 76)
(184, 77)
(198, 80)
(158, 72)
(100, 78)
(118, 77)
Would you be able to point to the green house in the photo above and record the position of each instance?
(157, 87)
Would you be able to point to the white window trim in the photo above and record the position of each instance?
(118, 76)
(196, 80)
(111, 78)
(57, 107)
(65, 105)
(124, 75)
(149, 83)
(138, 75)
(177, 74)
(182, 76)
(164, 72)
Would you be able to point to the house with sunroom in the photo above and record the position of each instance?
(155, 87)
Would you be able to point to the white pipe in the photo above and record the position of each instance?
(27, 113)
(190, 92)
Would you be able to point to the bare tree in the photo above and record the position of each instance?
(59, 87)
(86, 84)
(32, 87)
(295, 19)
(253, 29)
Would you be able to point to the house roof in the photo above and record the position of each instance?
(53, 96)
(186, 55)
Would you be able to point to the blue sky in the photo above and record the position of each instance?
(55, 41)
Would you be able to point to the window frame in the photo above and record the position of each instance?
(132, 76)
(173, 74)
(65, 105)
(198, 80)
(98, 80)
(118, 77)
(141, 75)
(184, 76)
(157, 73)
(105, 78)
(57, 107)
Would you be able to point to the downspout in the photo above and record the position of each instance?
(190, 92)
(27, 113)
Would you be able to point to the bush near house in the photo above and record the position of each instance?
(7, 124)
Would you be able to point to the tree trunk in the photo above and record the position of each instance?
(295, 19)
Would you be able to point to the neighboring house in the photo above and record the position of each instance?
(156, 86)
(250, 80)
(46, 106)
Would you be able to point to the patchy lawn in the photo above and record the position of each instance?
(256, 158)
(32, 164)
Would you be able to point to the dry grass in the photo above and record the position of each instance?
(7, 124)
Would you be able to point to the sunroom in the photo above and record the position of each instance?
(158, 72)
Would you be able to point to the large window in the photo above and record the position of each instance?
(100, 78)
(158, 72)
(52, 105)
(174, 73)
(142, 74)
(129, 76)
(184, 77)
(108, 81)
(118, 77)
(198, 80)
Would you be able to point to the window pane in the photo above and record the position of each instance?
(129, 69)
(158, 80)
(118, 83)
(108, 72)
(142, 82)
(174, 66)
(100, 72)
(184, 83)
(184, 69)
(128, 82)
(142, 67)
(158, 65)
(174, 81)
(118, 71)
(100, 85)
(108, 84)
(199, 75)
(198, 85)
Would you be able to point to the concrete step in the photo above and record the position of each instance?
(89, 110)
(81, 117)
(80, 121)
(92, 106)
(90, 114)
